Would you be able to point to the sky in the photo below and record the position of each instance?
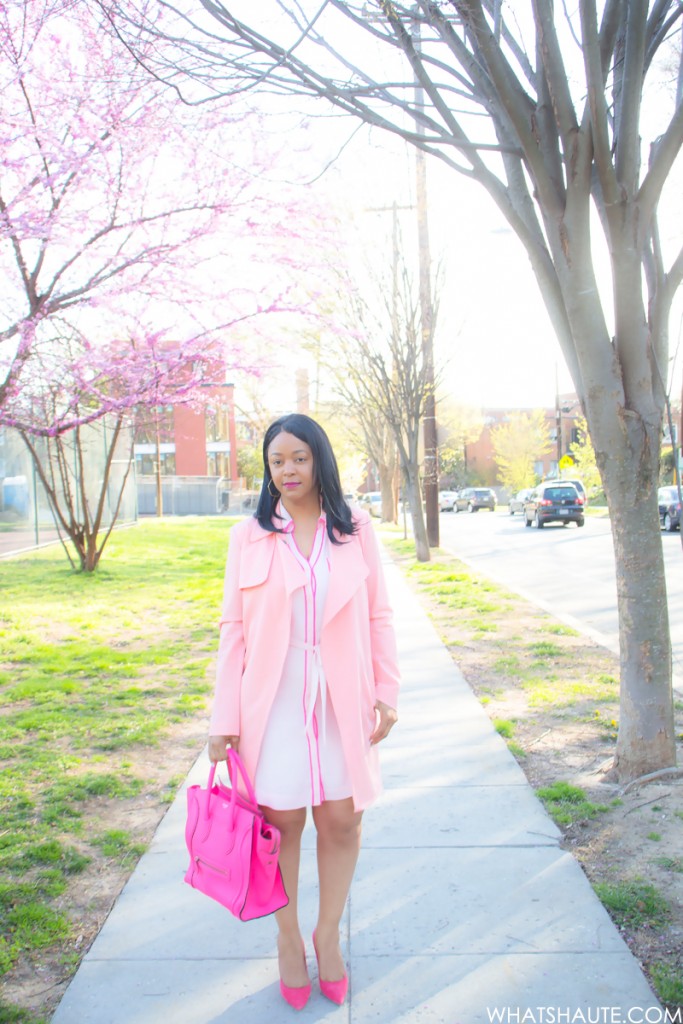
(494, 343)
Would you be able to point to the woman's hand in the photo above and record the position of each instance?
(218, 744)
(387, 720)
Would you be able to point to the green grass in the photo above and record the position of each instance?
(545, 649)
(504, 728)
(93, 668)
(558, 629)
(668, 981)
(509, 664)
(18, 1015)
(544, 688)
(633, 902)
(456, 588)
(567, 804)
(119, 845)
(544, 668)
(671, 863)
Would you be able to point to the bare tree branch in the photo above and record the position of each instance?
(595, 60)
(665, 151)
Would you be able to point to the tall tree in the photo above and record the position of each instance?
(381, 372)
(517, 445)
(368, 428)
(545, 110)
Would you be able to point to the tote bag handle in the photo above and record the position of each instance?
(235, 768)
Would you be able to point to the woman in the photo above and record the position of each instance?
(307, 679)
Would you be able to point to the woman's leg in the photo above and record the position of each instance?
(339, 832)
(291, 959)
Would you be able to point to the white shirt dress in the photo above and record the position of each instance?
(301, 762)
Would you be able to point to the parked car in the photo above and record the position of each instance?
(577, 483)
(474, 498)
(371, 502)
(447, 500)
(516, 502)
(669, 508)
(559, 502)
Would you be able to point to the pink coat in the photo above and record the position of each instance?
(358, 646)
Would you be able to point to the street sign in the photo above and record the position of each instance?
(566, 461)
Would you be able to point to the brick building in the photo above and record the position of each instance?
(190, 442)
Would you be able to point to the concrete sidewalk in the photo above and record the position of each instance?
(463, 909)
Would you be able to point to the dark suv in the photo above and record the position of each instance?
(474, 498)
(577, 483)
(554, 503)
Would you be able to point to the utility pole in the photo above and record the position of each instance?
(393, 209)
(558, 422)
(431, 469)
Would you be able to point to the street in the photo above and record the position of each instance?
(569, 571)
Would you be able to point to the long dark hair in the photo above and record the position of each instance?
(325, 475)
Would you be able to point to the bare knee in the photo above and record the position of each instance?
(336, 821)
(289, 823)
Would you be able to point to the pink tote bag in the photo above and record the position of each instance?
(233, 850)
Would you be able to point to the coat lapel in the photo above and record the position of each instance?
(347, 572)
(266, 551)
(348, 568)
(294, 575)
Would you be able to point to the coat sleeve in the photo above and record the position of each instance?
(382, 637)
(225, 719)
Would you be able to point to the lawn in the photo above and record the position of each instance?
(97, 674)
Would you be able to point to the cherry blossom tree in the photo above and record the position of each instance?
(76, 397)
(123, 214)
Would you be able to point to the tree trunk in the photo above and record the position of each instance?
(160, 504)
(386, 484)
(623, 405)
(90, 555)
(646, 738)
(415, 501)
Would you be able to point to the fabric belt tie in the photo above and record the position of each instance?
(319, 687)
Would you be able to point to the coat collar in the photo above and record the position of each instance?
(348, 568)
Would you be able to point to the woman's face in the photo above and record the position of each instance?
(290, 461)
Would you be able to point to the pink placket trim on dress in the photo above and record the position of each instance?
(315, 684)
